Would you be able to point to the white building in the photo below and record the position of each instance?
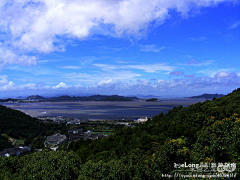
(142, 119)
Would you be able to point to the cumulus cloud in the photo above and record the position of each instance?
(224, 74)
(177, 73)
(8, 56)
(61, 85)
(42, 26)
(110, 81)
(3, 79)
(9, 86)
(173, 87)
(212, 72)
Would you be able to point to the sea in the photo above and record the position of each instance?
(98, 110)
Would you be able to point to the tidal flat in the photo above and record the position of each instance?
(99, 110)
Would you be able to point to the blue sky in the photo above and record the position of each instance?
(167, 48)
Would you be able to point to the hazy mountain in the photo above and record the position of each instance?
(35, 97)
(208, 96)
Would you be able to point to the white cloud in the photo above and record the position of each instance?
(30, 86)
(222, 75)
(71, 67)
(3, 79)
(61, 85)
(235, 25)
(213, 72)
(222, 83)
(105, 67)
(151, 48)
(106, 82)
(9, 86)
(151, 68)
(8, 56)
(96, 77)
(40, 26)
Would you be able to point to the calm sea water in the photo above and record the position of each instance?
(96, 110)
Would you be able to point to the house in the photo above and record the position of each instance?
(88, 133)
(76, 131)
(75, 134)
(24, 150)
(142, 119)
(93, 136)
(9, 152)
(75, 137)
(56, 139)
(75, 121)
(123, 123)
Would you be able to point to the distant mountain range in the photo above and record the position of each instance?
(35, 97)
(73, 98)
(207, 96)
(100, 98)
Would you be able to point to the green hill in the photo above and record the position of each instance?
(21, 126)
(207, 133)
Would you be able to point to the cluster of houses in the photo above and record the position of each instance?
(73, 135)
(60, 119)
(71, 121)
(76, 134)
(57, 139)
(77, 121)
(15, 151)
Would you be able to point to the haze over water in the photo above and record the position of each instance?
(98, 110)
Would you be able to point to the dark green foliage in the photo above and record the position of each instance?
(19, 125)
(41, 165)
(203, 132)
(38, 142)
(206, 131)
(4, 143)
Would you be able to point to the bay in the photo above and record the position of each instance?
(99, 110)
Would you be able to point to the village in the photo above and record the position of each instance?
(77, 128)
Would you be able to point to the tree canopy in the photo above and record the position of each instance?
(207, 132)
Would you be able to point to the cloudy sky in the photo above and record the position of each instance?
(166, 48)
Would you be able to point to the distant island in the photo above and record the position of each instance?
(67, 98)
(207, 96)
(72, 98)
(152, 99)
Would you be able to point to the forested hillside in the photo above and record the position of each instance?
(207, 132)
(21, 126)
